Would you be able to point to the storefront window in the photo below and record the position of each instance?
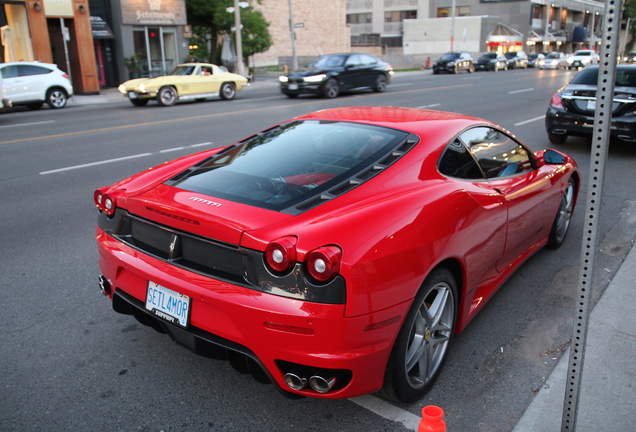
(14, 34)
(156, 49)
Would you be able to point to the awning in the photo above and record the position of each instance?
(100, 28)
(504, 33)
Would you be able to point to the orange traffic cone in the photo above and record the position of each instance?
(432, 419)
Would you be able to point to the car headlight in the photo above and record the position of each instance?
(315, 78)
(570, 60)
(283, 78)
(122, 88)
(142, 88)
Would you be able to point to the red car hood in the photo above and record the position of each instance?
(200, 214)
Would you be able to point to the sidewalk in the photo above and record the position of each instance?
(608, 382)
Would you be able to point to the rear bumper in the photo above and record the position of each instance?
(560, 122)
(276, 333)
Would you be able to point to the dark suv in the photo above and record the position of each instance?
(454, 62)
(517, 59)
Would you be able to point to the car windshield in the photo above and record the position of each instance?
(583, 53)
(511, 54)
(183, 70)
(553, 55)
(625, 77)
(290, 163)
(450, 56)
(533, 56)
(328, 61)
(488, 56)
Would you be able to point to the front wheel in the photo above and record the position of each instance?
(167, 96)
(228, 91)
(332, 89)
(422, 344)
(56, 98)
(471, 68)
(380, 84)
(562, 220)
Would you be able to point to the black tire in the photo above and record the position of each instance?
(557, 139)
(331, 88)
(456, 69)
(471, 68)
(167, 96)
(435, 72)
(380, 84)
(291, 95)
(139, 102)
(35, 106)
(423, 340)
(228, 91)
(56, 98)
(561, 222)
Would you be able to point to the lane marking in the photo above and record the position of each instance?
(388, 411)
(521, 91)
(207, 116)
(27, 124)
(121, 159)
(530, 121)
(429, 106)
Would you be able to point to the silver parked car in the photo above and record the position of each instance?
(554, 60)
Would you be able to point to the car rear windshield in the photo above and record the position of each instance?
(290, 163)
(583, 53)
(553, 55)
(625, 77)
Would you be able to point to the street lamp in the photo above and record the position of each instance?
(237, 25)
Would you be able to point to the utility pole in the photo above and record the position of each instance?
(239, 44)
(292, 31)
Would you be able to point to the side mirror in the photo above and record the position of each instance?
(553, 158)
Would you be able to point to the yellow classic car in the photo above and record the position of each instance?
(188, 81)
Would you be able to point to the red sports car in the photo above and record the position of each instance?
(337, 253)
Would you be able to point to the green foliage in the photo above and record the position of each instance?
(133, 63)
(629, 11)
(210, 17)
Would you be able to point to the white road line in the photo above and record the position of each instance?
(94, 163)
(530, 121)
(521, 91)
(428, 106)
(121, 159)
(28, 124)
(388, 411)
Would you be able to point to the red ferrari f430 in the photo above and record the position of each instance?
(335, 254)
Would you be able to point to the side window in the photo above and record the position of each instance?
(353, 60)
(28, 70)
(368, 60)
(456, 161)
(9, 72)
(498, 155)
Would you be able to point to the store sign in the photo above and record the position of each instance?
(148, 12)
(58, 8)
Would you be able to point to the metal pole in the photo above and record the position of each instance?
(452, 35)
(292, 31)
(547, 22)
(599, 148)
(625, 39)
(239, 44)
(68, 62)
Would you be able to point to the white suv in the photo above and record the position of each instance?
(33, 83)
(582, 58)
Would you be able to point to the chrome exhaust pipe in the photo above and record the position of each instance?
(104, 285)
(321, 384)
(626, 138)
(558, 131)
(294, 381)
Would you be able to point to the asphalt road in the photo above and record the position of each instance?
(70, 363)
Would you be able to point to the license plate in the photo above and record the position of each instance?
(591, 105)
(168, 304)
(132, 95)
(293, 87)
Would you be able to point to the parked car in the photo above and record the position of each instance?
(334, 254)
(554, 60)
(332, 74)
(535, 60)
(31, 84)
(4, 100)
(454, 62)
(492, 61)
(188, 81)
(517, 59)
(571, 109)
(582, 58)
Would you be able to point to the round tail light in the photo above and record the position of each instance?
(105, 202)
(323, 263)
(280, 255)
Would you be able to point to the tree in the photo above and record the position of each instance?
(629, 11)
(211, 17)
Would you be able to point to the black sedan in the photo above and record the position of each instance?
(571, 109)
(454, 62)
(492, 61)
(332, 74)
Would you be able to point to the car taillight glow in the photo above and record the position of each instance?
(105, 202)
(556, 102)
(66, 76)
(323, 263)
(280, 255)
